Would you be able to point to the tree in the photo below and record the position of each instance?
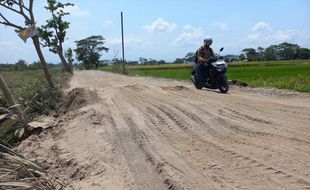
(151, 62)
(21, 65)
(260, 53)
(35, 65)
(287, 51)
(161, 62)
(26, 12)
(178, 60)
(271, 53)
(231, 58)
(142, 60)
(53, 33)
(303, 53)
(242, 57)
(190, 57)
(88, 50)
(132, 62)
(69, 56)
(250, 53)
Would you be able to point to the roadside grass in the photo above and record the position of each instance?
(180, 74)
(17, 79)
(269, 63)
(32, 91)
(294, 75)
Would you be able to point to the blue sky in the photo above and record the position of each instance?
(167, 29)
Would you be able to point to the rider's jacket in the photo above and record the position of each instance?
(205, 52)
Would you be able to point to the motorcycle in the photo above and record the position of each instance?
(216, 78)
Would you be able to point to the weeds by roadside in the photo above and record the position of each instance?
(37, 98)
(32, 92)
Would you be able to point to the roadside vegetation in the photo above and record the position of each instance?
(31, 90)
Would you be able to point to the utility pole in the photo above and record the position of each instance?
(123, 49)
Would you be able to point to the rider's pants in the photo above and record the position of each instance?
(204, 72)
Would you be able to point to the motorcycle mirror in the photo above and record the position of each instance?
(222, 49)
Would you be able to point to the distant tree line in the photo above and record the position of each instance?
(283, 51)
(90, 59)
(141, 61)
(21, 65)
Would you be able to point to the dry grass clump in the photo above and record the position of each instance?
(16, 172)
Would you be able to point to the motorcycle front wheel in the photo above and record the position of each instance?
(196, 82)
(223, 84)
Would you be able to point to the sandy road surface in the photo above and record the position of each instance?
(143, 133)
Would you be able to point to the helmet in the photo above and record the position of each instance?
(207, 41)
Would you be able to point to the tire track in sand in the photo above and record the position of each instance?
(145, 177)
(274, 175)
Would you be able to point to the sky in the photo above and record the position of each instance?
(169, 29)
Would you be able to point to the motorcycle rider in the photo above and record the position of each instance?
(204, 54)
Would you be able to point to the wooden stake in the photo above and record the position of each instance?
(9, 97)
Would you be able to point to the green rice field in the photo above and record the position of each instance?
(294, 75)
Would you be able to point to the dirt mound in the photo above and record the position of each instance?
(238, 83)
(76, 99)
(175, 88)
(61, 164)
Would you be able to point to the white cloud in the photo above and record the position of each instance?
(191, 37)
(221, 26)
(76, 11)
(293, 35)
(281, 36)
(160, 26)
(107, 23)
(129, 42)
(261, 26)
(253, 37)
(188, 27)
(132, 42)
(131, 45)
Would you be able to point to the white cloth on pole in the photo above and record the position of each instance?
(27, 33)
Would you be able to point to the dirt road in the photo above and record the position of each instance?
(150, 134)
